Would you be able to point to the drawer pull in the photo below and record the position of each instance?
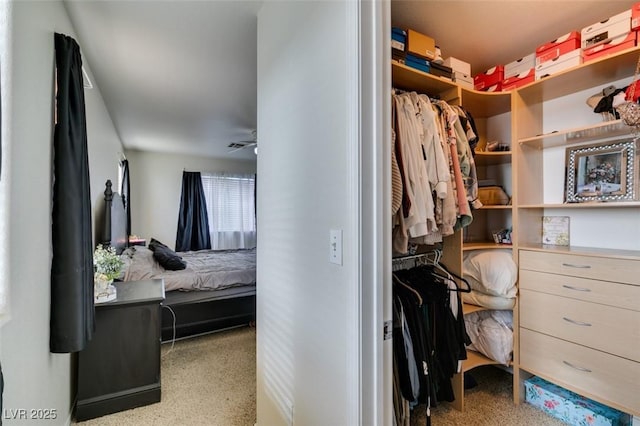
(586, 370)
(576, 288)
(570, 265)
(584, 324)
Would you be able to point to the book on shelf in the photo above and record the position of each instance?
(555, 230)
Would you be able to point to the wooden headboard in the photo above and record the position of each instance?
(115, 220)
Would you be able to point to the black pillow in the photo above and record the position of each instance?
(166, 257)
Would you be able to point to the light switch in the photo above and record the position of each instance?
(335, 246)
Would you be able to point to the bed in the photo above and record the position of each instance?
(216, 290)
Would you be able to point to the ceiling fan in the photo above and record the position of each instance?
(237, 146)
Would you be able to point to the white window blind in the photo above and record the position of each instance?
(231, 209)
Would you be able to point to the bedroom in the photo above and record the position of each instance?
(308, 280)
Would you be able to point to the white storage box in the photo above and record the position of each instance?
(464, 80)
(520, 66)
(458, 66)
(599, 32)
(561, 63)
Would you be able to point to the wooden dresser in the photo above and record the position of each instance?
(120, 367)
(580, 322)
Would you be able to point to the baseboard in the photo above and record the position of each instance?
(113, 403)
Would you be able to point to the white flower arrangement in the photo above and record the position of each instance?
(107, 263)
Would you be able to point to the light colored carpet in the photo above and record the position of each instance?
(207, 380)
(488, 404)
(211, 380)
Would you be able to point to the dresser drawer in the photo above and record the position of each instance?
(612, 380)
(609, 329)
(600, 268)
(607, 293)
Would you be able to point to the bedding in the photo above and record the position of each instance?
(492, 272)
(488, 301)
(205, 269)
(491, 333)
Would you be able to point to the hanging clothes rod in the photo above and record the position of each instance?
(406, 262)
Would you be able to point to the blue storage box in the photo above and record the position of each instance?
(398, 39)
(417, 63)
(570, 407)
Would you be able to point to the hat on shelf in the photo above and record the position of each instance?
(595, 99)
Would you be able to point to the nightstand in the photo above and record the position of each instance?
(120, 367)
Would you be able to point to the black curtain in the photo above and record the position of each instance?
(125, 191)
(72, 309)
(193, 221)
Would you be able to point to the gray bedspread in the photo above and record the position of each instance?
(206, 269)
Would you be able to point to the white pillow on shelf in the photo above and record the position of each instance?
(491, 272)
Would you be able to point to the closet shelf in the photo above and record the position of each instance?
(584, 251)
(492, 158)
(590, 74)
(480, 104)
(496, 207)
(608, 129)
(595, 205)
(484, 245)
(476, 359)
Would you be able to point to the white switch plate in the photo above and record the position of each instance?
(335, 246)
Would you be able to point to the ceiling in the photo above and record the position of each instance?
(179, 76)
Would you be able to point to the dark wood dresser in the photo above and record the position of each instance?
(120, 368)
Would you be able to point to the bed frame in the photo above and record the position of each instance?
(184, 314)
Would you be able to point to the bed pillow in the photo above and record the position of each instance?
(166, 257)
(491, 272)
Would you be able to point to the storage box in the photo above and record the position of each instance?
(489, 78)
(520, 66)
(421, 45)
(635, 17)
(558, 47)
(398, 39)
(617, 44)
(463, 80)
(416, 62)
(440, 70)
(458, 66)
(570, 407)
(612, 27)
(495, 88)
(519, 80)
(561, 63)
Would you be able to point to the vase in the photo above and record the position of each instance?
(101, 283)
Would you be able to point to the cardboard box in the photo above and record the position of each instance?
(570, 407)
(494, 88)
(416, 62)
(635, 17)
(519, 80)
(440, 70)
(398, 39)
(421, 45)
(489, 78)
(617, 44)
(520, 66)
(558, 47)
(458, 66)
(561, 63)
(612, 27)
(463, 80)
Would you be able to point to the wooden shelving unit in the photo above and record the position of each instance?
(581, 135)
(492, 158)
(488, 245)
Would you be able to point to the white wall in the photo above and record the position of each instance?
(34, 377)
(156, 186)
(307, 308)
(606, 228)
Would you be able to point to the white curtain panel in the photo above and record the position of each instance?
(231, 209)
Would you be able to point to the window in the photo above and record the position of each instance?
(231, 209)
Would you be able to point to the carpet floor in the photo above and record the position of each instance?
(208, 380)
(211, 381)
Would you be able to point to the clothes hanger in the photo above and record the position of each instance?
(399, 281)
